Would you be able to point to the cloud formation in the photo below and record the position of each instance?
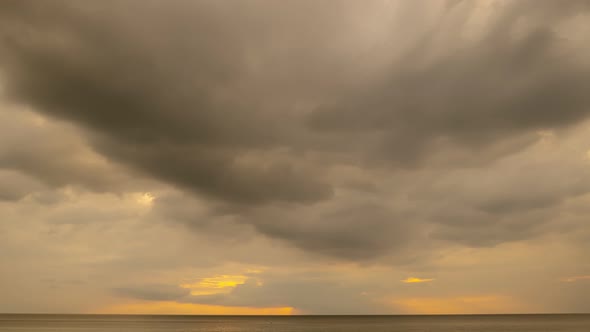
(295, 137)
(414, 280)
(576, 278)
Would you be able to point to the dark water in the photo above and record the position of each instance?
(492, 323)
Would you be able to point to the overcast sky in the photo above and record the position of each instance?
(295, 157)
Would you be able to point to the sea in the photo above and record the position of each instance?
(160, 323)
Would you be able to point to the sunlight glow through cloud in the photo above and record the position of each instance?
(414, 280)
(215, 285)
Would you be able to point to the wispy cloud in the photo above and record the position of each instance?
(414, 280)
(214, 285)
(576, 278)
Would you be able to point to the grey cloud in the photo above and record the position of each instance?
(15, 186)
(177, 91)
(219, 173)
(514, 199)
(254, 105)
(54, 155)
(215, 220)
(152, 292)
(355, 232)
(473, 94)
(178, 105)
(353, 228)
(477, 229)
(306, 294)
(523, 190)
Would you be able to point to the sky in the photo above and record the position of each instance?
(294, 157)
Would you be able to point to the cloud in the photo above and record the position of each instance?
(305, 295)
(15, 185)
(303, 292)
(414, 280)
(357, 231)
(204, 131)
(55, 155)
(200, 112)
(473, 95)
(152, 292)
(195, 133)
(575, 279)
(174, 144)
(214, 285)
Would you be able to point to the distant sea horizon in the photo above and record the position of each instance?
(90, 322)
(291, 315)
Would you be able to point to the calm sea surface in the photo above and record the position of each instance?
(97, 323)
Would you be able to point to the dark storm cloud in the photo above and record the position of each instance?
(474, 93)
(219, 173)
(355, 232)
(162, 88)
(52, 155)
(254, 103)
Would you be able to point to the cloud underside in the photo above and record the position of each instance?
(234, 105)
(266, 133)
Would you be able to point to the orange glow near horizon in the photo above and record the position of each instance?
(175, 308)
(491, 304)
(413, 280)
